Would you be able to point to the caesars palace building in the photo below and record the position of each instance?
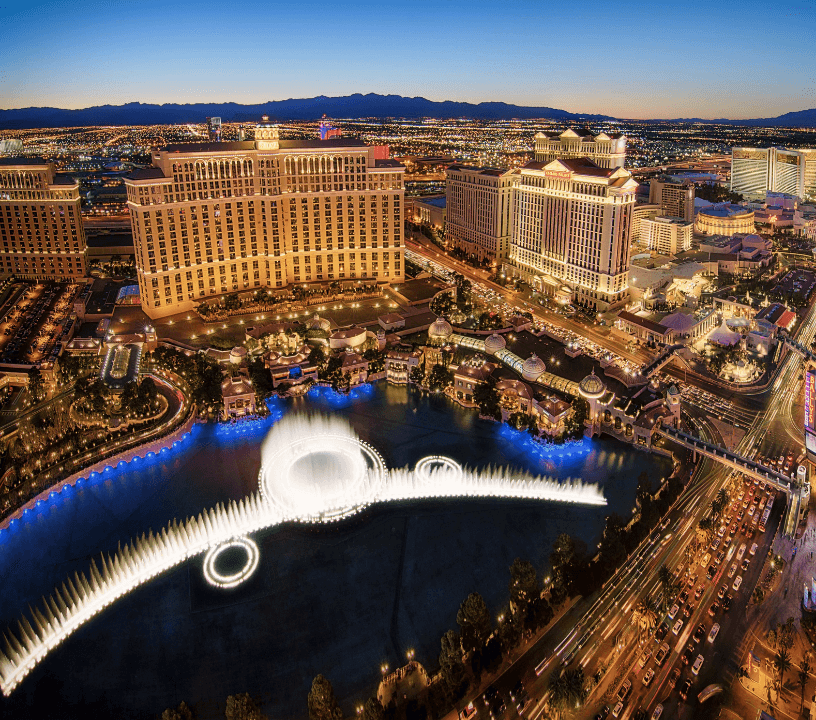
(214, 218)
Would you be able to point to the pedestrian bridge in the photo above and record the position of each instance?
(665, 355)
(728, 458)
(798, 347)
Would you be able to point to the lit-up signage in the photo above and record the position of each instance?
(558, 174)
(810, 415)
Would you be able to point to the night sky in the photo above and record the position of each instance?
(627, 59)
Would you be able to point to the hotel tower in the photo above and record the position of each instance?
(214, 218)
(40, 224)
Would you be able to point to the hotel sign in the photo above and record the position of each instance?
(810, 406)
(558, 174)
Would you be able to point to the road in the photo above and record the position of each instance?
(596, 638)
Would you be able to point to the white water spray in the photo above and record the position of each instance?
(314, 469)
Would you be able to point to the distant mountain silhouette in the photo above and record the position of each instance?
(349, 106)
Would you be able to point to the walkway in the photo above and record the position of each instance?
(514, 362)
(665, 355)
(726, 457)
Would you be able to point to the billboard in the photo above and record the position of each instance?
(810, 414)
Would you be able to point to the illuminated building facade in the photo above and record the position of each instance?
(572, 223)
(213, 218)
(725, 219)
(676, 199)
(607, 150)
(666, 235)
(479, 202)
(40, 224)
(755, 171)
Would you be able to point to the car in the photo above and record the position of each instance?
(726, 603)
(618, 710)
(685, 658)
(674, 610)
(753, 549)
(677, 627)
(498, 708)
(699, 632)
(683, 597)
(603, 713)
(624, 690)
(662, 654)
(723, 589)
(745, 564)
(733, 570)
(490, 695)
(698, 592)
(661, 631)
(648, 677)
(720, 557)
(688, 610)
(737, 583)
(711, 572)
(715, 543)
(685, 688)
(712, 635)
(698, 663)
(519, 696)
(658, 711)
(714, 609)
(644, 657)
(674, 677)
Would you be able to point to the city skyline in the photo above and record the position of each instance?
(630, 66)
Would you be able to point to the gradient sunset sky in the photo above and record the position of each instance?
(637, 60)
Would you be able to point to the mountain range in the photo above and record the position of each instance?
(349, 106)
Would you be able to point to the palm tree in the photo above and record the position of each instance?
(645, 615)
(666, 580)
(567, 691)
(782, 663)
(804, 673)
(721, 500)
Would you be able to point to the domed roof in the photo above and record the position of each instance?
(592, 386)
(494, 343)
(440, 328)
(532, 367)
(318, 323)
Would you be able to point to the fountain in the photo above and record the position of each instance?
(315, 469)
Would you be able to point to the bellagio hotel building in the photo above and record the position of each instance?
(214, 218)
(41, 233)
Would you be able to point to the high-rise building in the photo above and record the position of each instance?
(755, 171)
(642, 211)
(478, 210)
(787, 172)
(607, 150)
(809, 174)
(213, 218)
(666, 235)
(676, 198)
(40, 223)
(572, 223)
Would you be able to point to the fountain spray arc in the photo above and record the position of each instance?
(314, 470)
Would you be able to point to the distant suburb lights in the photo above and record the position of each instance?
(314, 470)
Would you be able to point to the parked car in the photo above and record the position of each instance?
(712, 635)
(698, 663)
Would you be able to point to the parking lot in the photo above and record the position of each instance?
(31, 326)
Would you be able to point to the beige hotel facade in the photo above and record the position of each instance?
(214, 218)
(572, 224)
(41, 232)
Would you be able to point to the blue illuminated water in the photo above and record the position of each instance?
(336, 600)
